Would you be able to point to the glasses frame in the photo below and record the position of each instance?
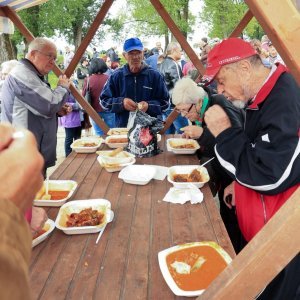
(50, 56)
(185, 112)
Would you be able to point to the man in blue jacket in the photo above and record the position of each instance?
(134, 86)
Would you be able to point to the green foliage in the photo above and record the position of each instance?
(222, 17)
(147, 20)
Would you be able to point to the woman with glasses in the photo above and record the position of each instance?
(191, 101)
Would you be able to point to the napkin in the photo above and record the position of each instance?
(183, 195)
(161, 172)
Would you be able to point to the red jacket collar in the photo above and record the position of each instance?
(268, 86)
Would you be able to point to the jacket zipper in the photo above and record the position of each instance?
(264, 207)
(134, 88)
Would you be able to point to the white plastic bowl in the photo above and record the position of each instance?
(187, 169)
(137, 174)
(114, 167)
(118, 131)
(77, 206)
(78, 145)
(121, 158)
(180, 141)
(111, 144)
(49, 227)
(57, 185)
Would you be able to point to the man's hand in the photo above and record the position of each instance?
(21, 167)
(192, 132)
(217, 120)
(129, 104)
(143, 106)
(229, 197)
(64, 81)
(65, 110)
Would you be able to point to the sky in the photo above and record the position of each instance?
(199, 31)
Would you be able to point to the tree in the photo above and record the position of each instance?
(222, 16)
(147, 20)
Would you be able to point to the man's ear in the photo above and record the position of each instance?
(125, 55)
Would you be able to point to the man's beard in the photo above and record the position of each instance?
(239, 103)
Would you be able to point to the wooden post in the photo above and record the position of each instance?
(29, 37)
(243, 23)
(280, 20)
(277, 243)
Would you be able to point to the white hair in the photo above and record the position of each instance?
(186, 91)
(39, 43)
(7, 66)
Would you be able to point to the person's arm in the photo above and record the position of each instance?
(266, 163)
(36, 95)
(20, 179)
(109, 99)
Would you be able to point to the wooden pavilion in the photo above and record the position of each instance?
(279, 241)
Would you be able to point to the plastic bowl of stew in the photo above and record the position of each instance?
(60, 191)
(188, 269)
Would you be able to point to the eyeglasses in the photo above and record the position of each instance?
(184, 112)
(50, 56)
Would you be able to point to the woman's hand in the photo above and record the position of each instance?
(229, 198)
(192, 132)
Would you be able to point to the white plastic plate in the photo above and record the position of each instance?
(114, 167)
(58, 185)
(78, 145)
(137, 174)
(118, 131)
(76, 206)
(123, 157)
(180, 141)
(116, 145)
(162, 255)
(187, 169)
(49, 227)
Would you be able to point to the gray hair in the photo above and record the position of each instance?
(39, 43)
(172, 47)
(186, 91)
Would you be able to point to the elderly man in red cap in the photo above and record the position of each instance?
(263, 158)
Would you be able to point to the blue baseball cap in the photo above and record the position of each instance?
(133, 44)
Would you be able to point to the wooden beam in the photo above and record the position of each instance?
(178, 35)
(29, 37)
(281, 22)
(185, 46)
(242, 25)
(89, 36)
(277, 243)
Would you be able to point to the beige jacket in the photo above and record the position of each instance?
(15, 252)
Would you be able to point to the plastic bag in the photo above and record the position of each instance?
(142, 136)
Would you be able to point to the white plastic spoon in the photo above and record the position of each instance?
(111, 217)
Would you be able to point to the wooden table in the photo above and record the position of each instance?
(124, 265)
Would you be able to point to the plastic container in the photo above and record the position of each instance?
(102, 205)
(121, 158)
(137, 174)
(56, 185)
(49, 227)
(81, 145)
(173, 143)
(109, 141)
(187, 169)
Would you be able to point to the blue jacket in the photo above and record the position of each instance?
(147, 85)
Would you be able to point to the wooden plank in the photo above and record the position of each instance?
(254, 267)
(170, 119)
(281, 22)
(89, 36)
(242, 24)
(178, 35)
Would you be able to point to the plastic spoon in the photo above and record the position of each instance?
(206, 162)
(47, 196)
(111, 217)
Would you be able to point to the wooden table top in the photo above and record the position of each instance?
(124, 265)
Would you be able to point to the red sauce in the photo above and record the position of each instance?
(39, 233)
(201, 278)
(58, 195)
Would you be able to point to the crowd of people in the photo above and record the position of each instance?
(244, 112)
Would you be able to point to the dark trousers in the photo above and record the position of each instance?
(72, 134)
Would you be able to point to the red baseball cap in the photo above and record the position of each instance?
(227, 52)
